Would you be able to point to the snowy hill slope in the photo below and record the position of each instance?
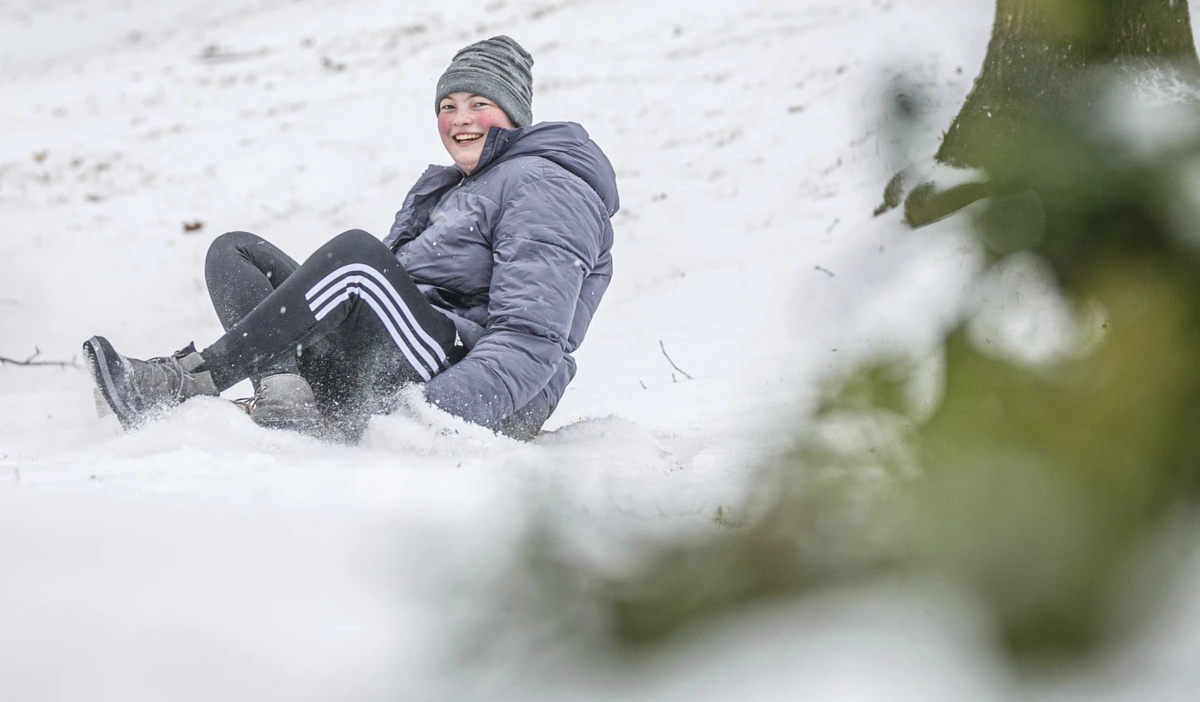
(203, 557)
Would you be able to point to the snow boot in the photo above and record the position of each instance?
(286, 401)
(136, 390)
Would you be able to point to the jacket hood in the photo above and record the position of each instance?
(566, 144)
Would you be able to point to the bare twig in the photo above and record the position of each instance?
(217, 54)
(664, 352)
(31, 362)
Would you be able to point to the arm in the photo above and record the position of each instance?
(545, 243)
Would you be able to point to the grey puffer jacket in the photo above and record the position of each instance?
(518, 255)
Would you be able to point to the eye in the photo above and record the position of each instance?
(482, 105)
(446, 107)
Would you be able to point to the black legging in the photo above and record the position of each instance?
(350, 320)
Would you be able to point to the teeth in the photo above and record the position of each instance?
(466, 137)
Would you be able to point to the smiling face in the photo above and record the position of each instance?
(463, 123)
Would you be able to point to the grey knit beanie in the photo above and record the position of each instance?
(497, 69)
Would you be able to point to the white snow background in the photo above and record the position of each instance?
(204, 558)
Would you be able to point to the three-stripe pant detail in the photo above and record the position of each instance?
(370, 286)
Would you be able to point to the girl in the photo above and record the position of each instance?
(484, 286)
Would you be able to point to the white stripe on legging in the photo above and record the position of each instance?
(388, 296)
(373, 288)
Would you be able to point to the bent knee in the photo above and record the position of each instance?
(228, 247)
(232, 240)
(352, 234)
(351, 244)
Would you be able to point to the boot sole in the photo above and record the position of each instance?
(111, 378)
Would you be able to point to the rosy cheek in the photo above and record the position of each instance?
(491, 118)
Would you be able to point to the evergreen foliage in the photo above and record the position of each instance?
(1041, 487)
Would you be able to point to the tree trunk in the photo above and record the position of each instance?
(1041, 57)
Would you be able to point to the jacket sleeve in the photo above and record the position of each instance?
(546, 241)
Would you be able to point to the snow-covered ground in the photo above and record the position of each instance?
(205, 558)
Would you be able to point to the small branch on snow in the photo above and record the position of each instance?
(218, 54)
(664, 352)
(30, 362)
